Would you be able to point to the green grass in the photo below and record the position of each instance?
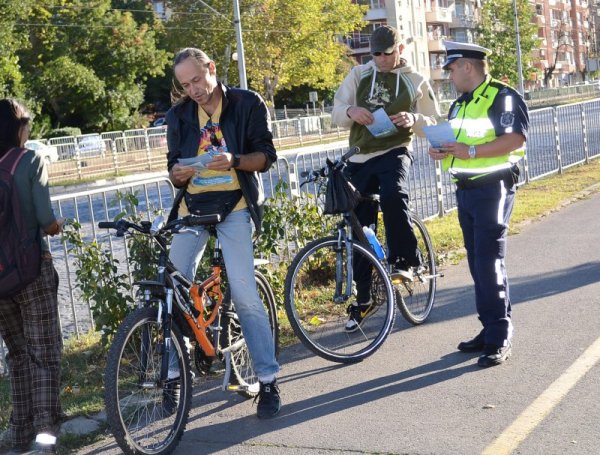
(84, 358)
(533, 201)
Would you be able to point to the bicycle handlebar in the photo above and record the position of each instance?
(122, 226)
(314, 175)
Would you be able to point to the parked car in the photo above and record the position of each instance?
(91, 145)
(48, 152)
(159, 121)
(157, 137)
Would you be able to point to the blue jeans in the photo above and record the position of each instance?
(235, 236)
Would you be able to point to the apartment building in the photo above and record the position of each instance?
(569, 44)
(424, 25)
(566, 42)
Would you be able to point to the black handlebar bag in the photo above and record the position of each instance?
(340, 194)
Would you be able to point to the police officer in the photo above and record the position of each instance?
(490, 122)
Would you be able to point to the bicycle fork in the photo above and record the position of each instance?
(169, 363)
(344, 245)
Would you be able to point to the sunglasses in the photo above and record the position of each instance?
(377, 54)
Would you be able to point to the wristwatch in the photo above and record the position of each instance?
(472, 151)
(236, 162)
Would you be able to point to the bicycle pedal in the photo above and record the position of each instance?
(236, 388)
(400, 279)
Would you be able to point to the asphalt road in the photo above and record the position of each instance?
(418, 395)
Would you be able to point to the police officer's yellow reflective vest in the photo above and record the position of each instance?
(472, 126)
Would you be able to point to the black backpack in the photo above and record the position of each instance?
(20, 254)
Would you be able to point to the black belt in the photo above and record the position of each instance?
(509, 176)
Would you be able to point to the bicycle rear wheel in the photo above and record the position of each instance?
(146, 417)
(243, 374)
(318, 320)
(415, 298)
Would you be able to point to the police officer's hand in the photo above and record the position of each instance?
(457, 149)
(360, 115)
(181, 174)
(403, 119)
(437, 154)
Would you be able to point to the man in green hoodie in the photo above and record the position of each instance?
(384, 102)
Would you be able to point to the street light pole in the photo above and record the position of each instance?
(240, 45)
(519, 62)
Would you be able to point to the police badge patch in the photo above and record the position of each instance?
(507, 119)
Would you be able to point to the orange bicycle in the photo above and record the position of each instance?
(148, 379)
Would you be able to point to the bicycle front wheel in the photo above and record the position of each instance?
(415, 298)
(313, 310)
(145, 416)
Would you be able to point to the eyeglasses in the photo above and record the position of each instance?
(377, 54)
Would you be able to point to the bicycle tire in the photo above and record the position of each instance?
(415, 299)
(145, 418)
(318, 321)
(242, 369)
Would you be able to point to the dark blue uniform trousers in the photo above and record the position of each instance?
(484, 214)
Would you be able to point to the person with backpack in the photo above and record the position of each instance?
(29, 321)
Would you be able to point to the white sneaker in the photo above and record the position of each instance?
(358, 313)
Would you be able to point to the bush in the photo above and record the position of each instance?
(65, 131)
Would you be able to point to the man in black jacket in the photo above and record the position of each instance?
(227, 132)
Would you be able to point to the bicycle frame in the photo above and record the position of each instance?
(348, 229)
(170, 282)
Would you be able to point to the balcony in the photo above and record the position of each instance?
(376, 14)
(564, 66)
(439, 15)
(463, 21)
(436, 44)
(438, 74)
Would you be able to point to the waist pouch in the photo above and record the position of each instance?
(212, 202)
(510, 176)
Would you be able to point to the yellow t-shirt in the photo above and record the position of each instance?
(212, 142)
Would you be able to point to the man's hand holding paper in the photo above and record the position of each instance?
(439, 135)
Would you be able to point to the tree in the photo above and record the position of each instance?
(286, 42)
(559, 45)
(87, 62)
(497, 32)
(12, 38)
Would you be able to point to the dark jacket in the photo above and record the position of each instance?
(245, 125)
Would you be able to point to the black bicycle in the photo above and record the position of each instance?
(320, 285)
(148, 380)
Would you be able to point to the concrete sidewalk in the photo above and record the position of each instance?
(418, 395)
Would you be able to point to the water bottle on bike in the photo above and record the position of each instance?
(374, 242)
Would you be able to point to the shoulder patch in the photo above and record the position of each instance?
(507, 119)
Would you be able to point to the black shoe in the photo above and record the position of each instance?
(171, 396)
(269, 402)
(494, 355)
(358, 313)
(474, 345)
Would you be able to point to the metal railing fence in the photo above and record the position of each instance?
(558, 138)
